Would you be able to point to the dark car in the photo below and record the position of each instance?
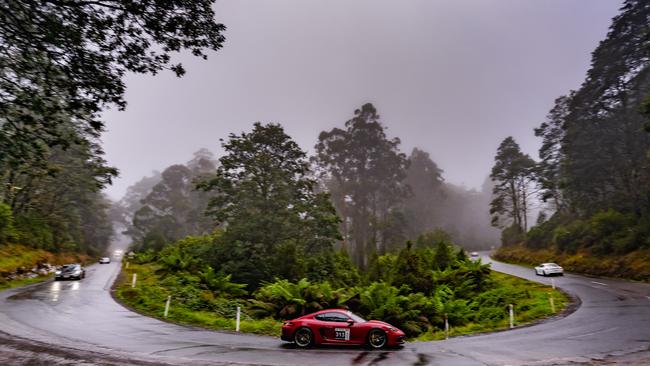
(337, 327)
(70, 272)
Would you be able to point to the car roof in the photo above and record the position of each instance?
(549, 264)
(342, 311)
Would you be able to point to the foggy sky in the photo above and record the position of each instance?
(451, 77)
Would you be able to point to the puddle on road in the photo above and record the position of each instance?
(50, 291)
(359, 359)
(422, 360)
(380, 357)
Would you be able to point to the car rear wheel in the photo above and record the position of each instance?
(303, 337)
(377, 338)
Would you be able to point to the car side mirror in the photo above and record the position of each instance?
(350, 322)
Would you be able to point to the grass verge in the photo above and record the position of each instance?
(532, 307)
(149, 297)
(150, 294)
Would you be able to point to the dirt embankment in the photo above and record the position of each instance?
(18, 262)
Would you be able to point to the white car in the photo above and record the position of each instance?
(547, 269)
(105, 260)
(473, 256)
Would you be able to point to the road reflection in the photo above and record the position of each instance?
(55, 290)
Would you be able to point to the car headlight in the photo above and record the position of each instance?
(392, 329)
(77, 272)
(57, 272)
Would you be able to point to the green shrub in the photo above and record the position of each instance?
(220, 283)
(609, 232)
(283, 299)
(7, 230)
(512, 235)
(568, 238)
(145, 257)
(540, 236)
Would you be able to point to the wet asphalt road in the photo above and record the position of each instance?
(614, 319)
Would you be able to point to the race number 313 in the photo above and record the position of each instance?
(342, 334)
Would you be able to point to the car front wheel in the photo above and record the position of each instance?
(377, 338)
(303, 337)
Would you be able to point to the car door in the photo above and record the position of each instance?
(341, 327)
(324, 324)
(334, 327)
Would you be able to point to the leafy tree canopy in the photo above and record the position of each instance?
(512, 174)
(365, 172)
(62, 60)
(266, 200)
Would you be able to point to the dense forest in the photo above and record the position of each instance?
(360, 223)
(380, 196)
(278, 248)
(61, 65)
(354, 212)
(593, 176)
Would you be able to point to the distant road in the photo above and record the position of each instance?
(614, 318)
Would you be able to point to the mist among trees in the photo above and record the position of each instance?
(376, 196)
(265, 202)
(592, 182)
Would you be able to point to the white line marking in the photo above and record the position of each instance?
(599, 283)
(593, 333)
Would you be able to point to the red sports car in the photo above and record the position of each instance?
(337, 326)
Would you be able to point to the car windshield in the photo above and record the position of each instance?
(356, 318)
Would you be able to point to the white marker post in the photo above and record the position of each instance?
(133, 281)
(446, 327)
(512, 317)
(169, 299)
(550, 299)
(238, 317)
(127, 265)
(553, 283)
